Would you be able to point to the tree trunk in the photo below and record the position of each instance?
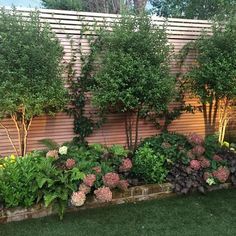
(131, 134)
(139, 5)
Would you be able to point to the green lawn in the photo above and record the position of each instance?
(213, 214)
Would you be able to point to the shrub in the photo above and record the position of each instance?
(212, 145)
(149, 165)
(18, 186)
(186, 179)
(172, 145)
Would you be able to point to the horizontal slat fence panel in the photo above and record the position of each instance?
(68, 25)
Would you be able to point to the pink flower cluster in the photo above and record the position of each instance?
(205, 163)
(195, 139)
(103, 194)
(97, 169)
(126, 165)
(111, 179)
(217, 158)
(78, 198)
(70, 163)
(123, 185)
(222, 174)
(89, 180)
(52, 153)
(195, 164)
(198, 150)
(84, 188)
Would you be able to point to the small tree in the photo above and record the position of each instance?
(30, 72)
(213, 78)
(134, 74)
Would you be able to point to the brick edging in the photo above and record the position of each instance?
(133, 194)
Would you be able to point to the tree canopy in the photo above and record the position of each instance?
(193, 9)
(103, 6)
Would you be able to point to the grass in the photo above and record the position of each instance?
(213, 214)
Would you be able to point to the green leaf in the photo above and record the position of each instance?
(49, 198)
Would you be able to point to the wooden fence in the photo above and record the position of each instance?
(67, 25)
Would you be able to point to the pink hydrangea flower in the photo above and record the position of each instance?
(97, 169)
(123, 185)
(195, 139)
(198, 150)
(89, 180)
(205, 163)
(78, 198)
(70, 163)
(217, 158)
(111, 180)
(103, 194)
(84, 188)
(222, 174)
(195, 164)
(126, 165)
(52, 153)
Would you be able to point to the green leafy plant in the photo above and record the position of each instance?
(149, 165)
(212, 145)
(173, 146)
(56, 185)
(29, 63)
(18, 185)
(28, 180)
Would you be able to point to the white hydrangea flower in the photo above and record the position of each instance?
(78, 198)
(210, 181)
(63, 150)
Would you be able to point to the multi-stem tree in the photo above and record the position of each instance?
(134, 75)
(30, 73)
(213, 77)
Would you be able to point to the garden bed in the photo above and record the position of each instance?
(133, 194)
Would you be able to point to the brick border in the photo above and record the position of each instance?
(133, 194)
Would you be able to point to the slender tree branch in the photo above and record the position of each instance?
(13, 117)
